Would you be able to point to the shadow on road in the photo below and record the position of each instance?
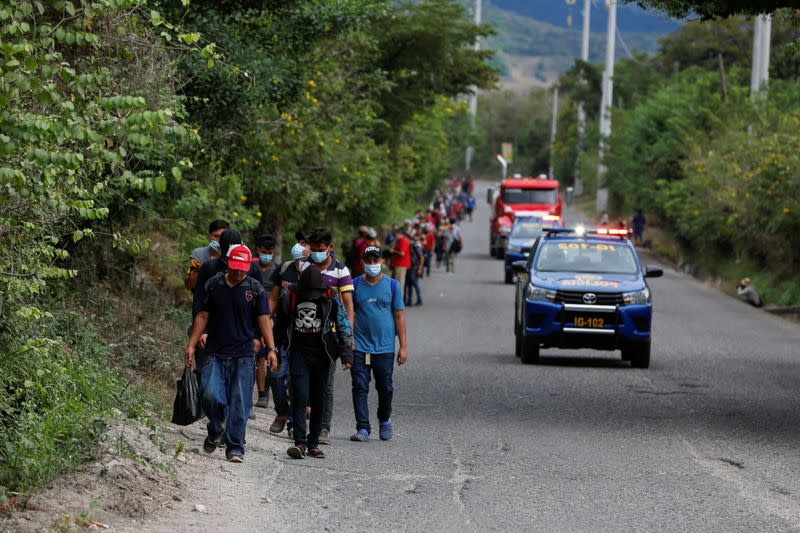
(556, 361)
(588, 362)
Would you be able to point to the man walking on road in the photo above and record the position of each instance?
(318, 333)
(379, 318)
(265, 246)
(454, 245)
(204, 253)
(401, 257)
(337, 277)
(232, 304)
(639, 222)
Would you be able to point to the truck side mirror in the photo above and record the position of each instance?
(653, 272)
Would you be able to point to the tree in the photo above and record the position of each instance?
(698, 43)
(426, 50)
(711, 9)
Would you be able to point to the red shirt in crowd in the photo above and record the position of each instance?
(429, 241)
(404, 246)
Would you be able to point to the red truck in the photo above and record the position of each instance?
(518, 196)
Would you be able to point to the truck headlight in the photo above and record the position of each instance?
(637, 298)
(534, 293)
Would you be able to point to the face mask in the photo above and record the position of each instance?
(372, 270)
(298, 251)
(214, 245)
(264, 258)
(319, 257)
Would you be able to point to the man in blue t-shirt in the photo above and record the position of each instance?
(378, 303)
(233, 303)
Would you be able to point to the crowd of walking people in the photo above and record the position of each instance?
(281, 327)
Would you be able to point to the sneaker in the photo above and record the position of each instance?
(298, 451)
(325, 437)
(252, 415)
(235, 457)
(362, 435)
(386, 432)
(278, 424)
(210, 445)
(263, 401)
(316, 452)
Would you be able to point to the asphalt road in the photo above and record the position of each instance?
(706, 439)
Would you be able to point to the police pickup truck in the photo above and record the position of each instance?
(583, 289)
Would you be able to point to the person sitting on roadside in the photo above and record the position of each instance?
(233, 303)
(747, 293)
(204, 254)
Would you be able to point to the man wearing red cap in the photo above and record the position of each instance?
(232, 303)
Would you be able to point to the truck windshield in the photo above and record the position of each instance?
(586, 257)
(527, 230)
(516, 195)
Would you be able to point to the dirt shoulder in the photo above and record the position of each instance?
(139, 483)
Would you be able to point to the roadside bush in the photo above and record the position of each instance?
(57, 389)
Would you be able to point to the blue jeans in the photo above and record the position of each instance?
(277, 381)
(227, 395)
(382, 366)
(310, 373)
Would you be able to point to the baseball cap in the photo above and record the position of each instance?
(371, 251)
(239, 258)
(266, 241)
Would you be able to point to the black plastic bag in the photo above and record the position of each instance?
(186, 409)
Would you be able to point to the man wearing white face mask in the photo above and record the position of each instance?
(379, 319)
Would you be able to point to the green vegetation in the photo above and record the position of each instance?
(709, 9)
(719, 172)
(123, 133)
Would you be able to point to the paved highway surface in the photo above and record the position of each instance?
(706, 439)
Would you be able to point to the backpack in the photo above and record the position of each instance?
(392, 282)
(293, 299)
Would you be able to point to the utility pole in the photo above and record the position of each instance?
(473, 98)
(605, 104)
(759, 74)
(553, 129)
(587, 7)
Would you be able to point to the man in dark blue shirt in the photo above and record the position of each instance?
(233, 303)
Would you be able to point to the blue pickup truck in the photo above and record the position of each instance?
(583, 289)
(524, 232)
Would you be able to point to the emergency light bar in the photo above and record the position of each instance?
(580, 231)
(551, 218)
(615, 232)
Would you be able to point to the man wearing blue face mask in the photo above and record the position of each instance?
(265, 248)
(204, 254)
(379, 317)
(283, 277)
(337, 277)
